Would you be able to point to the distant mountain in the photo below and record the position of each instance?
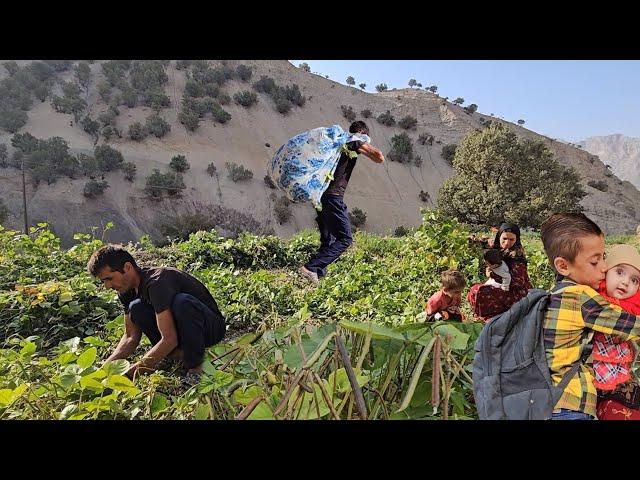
(620, 152)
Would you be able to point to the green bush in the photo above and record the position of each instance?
(179, 164)
(449, 152)
(224, 99)
(108, 158)
(245, 98)
(265, 84)
(193, 89)
(189, 119)
(137, 132)
(12, 120)
(425, 138)
(244, 72)
(401, 231)
(157, 126)
(387, 119)
(381, 87)
(238, 173)
(129, 170)
(211, 169)
(401, 148)
(94, 188)
(90, 126)
(4, 155)
(599, 185)
(348, 112)
(220, 115)
(471, 108)
(357, 217)
(282, 210)
(169, 183)
(293, 94)
(408, 122)
(268, 182)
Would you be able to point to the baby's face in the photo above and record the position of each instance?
(622, 281)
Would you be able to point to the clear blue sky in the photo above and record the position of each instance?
(565, 99)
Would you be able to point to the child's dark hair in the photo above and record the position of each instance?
(561, 234)
(452, 279)
(359, 127)
(493, 256)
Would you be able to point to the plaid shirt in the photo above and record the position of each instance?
(570, 315)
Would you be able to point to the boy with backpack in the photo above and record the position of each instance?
(530, 361)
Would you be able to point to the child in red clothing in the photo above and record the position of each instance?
(445, 303)
(618, 389)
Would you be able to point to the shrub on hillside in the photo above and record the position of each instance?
(357, 217)
(238, 173)
(387, 119)
(179, 164)
(94, 188)
(245, 98)
(408, 122)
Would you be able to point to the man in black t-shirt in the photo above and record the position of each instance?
(333, 219)
(173, 309)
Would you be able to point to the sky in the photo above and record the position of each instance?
(568, 100)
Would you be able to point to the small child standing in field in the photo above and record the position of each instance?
(445, 303)
(495, 267)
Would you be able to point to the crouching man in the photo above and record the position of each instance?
(173, 309)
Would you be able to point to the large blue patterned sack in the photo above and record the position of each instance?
(303, 167)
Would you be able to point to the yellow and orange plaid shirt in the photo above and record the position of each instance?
(572, 312)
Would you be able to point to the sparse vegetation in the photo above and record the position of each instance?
(366, 113)
(137, 132)
(381, 87)
(245, 98)
(4, 155)
(471, 108)
(129, 170)
(281, 208)
(189, 119)
(157, 126)
(598, 185)
(158, 184)
(305, 66)
(108, 158)
(94, 188)
(179, 164)
(448, 152)
(220, 115)
(459, 101)
(269, 183)
(211, 169)
(238, 173)
(520, 122)
(408, 122)
(351, 80)
(400, 231)
(425, 139)
(424, 196)
(401, 149)
(348, 112)
(387, 119)
(244, 72)
(413, 82)
(362, 86)
(357, 217)
(83, 74)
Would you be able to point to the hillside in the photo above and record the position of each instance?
(619, 151)
(389, 194)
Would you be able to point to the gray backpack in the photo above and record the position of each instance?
(511, 377)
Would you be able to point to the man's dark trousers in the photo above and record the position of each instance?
(335, 233)
(197, 326)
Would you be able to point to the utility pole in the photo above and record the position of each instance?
(24, 201)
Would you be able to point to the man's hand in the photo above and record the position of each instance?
(488, 272)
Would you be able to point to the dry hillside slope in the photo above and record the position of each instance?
(387, 193)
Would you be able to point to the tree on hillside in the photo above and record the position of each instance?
(83, 74)
(381, 87)
(413, 82)
(351, 80)
(520, 122)
(433, 88)
(459, 101)
(305, 66)
(483, 190)
(363, 86)
(471, 108)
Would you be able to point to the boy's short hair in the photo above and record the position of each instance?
(359, 127)
(452, 279)
(493, 256)
(561, 235)
(112, 256)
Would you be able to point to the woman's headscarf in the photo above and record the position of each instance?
(516, 252)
